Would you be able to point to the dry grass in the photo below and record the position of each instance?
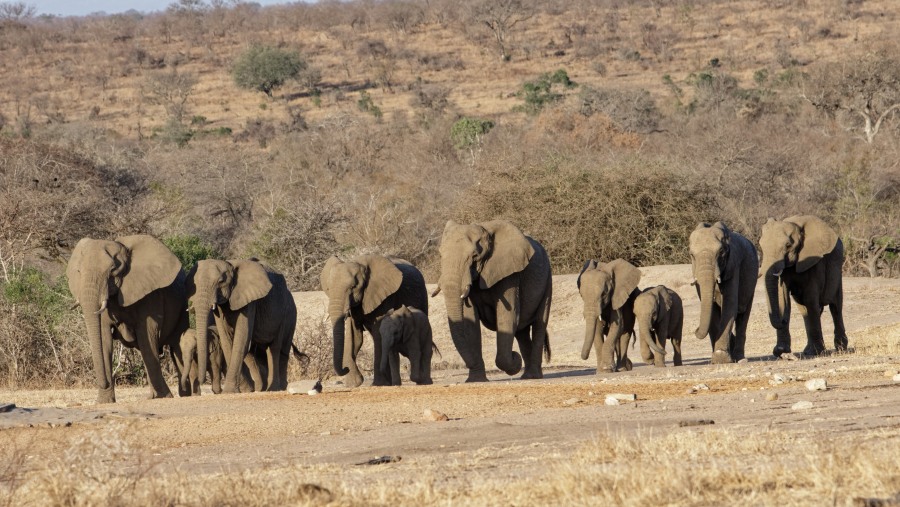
(108, 467)
(878, 341)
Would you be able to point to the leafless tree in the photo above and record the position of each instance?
(170, 90)
(500, 17)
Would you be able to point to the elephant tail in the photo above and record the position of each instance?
(434, 347)
(303, 357)
(547, 352)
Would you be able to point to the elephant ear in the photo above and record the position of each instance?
(190, 288)
(73, 269)
(251, 282)
(588, 264)
(819, 239)
(729, 269)
(325, 275)
(151, 266)
(384, 279)
(625, 279)
(511, 252)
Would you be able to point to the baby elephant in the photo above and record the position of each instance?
(186, 361)
(407, 331)
(659, 315)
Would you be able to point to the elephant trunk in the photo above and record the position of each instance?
(706, 280)
(776, 294)
(645, 328)
(462, 330)
(591, 321)
(96, 293)
(203, 304)
(337, 312)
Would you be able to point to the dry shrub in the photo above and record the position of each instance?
(579, 131)
(314, 338)
(878, 341)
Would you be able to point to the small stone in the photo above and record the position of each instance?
(590, 393)
(690, 390)
(611, 401)
(777, 379)
(572, 401)
(816, 384)
(802, 405)
(771, 396)
(787, 356)
(890, 373)
(896, 378)
(305, 386)
(743, 361)
(622, 397)
(701, 387)
(434, 415)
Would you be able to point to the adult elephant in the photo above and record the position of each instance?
(803, 258)
(131, 289)
(608, 292)
(492, 274)
(251, 305)
(725, 267)
(366, 289)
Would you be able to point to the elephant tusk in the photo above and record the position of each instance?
(102, 308)
(777, 273)
(436, 291)
(719, 279)
(74, 306)
(213, 307)
(465, 293)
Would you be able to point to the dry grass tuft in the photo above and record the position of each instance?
(878, 341)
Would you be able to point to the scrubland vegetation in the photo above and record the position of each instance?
(605, 129)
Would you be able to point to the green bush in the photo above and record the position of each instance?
(467, 132)
(367, 105)
(190, 249)
(540, 92)
(265, 68)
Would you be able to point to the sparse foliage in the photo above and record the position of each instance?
(500, 17)
(266, 68)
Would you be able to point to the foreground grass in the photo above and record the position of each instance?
(716, 467)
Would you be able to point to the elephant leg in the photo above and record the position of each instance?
(215, 365)
(468, 344)
(526, 348)
(646, 353)
(353, 378)
(251, 366)
(507, 359)
(381, 378)
(659, 360)
(676, 345)
(243, 326)
(394, 360)
(837, 315)
(721, 339)
(607, 360)
(194, 379)
(533, 367)
(740, 335)
(812, 319)
(624, 338)
(148, 342)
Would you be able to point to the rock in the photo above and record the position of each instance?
(802, 405)
(777, 379)
(787, 356)
(896, 378)
(743, 361)
(622, 397)
(611, 401)
(701, 387)
(890, 373)
(690, 390)
(434, 415)
(771, 396)
(816, 384)
(305, 387)
(7, 407)
(572, 401)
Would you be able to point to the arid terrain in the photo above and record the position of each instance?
(509, 441)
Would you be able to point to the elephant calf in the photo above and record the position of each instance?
(407, 331)
(608, 291)
(185, 358)
(660, 316)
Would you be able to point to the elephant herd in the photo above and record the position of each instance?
(134, 290)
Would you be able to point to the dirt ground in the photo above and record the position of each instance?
(504, 429)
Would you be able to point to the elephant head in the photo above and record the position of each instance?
(480, 254)
(797, 242)
(651, 311)
(604, 286)
(211, 283)
(125, 271)
(710, 247)
(365, 282)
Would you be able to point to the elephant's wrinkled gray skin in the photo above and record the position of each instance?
(407, 331)
(366, 289)
(608, 291)
(492, 274)
(659, 314)
(802, 257)
(133, 290)
(725, 270)
(252, 306)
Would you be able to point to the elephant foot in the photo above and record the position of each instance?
(382, 382)
(660, 364)
(353, 379)
(605, 369)
(532, 374)
(476, 376)
(155, 395)
(425, 382)
(627, 365)
(230, 388)
(720, 357)
(781, 349)
(814, 350)
(106, 395)
(840, 343)
(217, 389)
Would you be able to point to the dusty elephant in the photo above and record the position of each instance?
(608, 291)
(131, 289)
(725, 267)
(494, 275)
(659, 314)
(803, 258)
(366, 289)
(407, 331)
(252, 307)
